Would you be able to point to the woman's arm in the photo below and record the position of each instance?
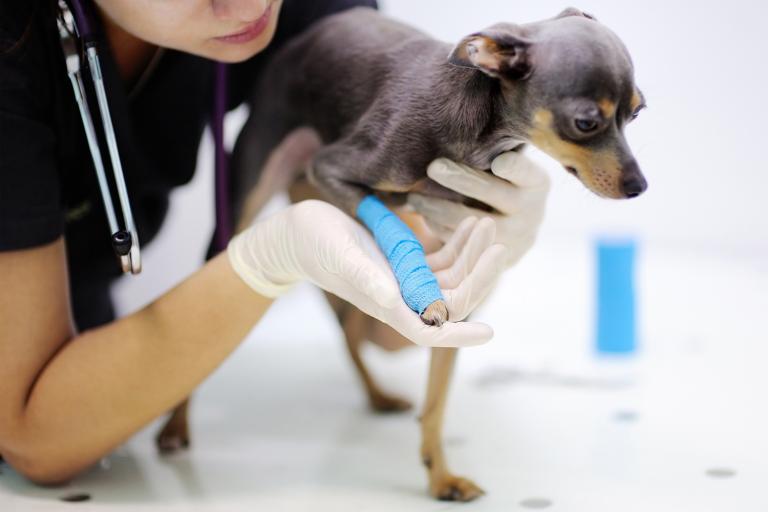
(65, 398)
(68, 399)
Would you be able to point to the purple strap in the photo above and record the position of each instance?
(223, 222)
(84, 29)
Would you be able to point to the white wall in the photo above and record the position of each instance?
(702, 67)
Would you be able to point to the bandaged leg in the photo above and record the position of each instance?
(405, 254)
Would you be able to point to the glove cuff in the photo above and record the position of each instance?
(251, 272)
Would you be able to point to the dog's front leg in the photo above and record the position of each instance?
(359, 327)
(442, 484)
(341, 173)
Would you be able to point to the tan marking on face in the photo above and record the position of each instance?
(636, 101)
(599, 171)
(607, 107)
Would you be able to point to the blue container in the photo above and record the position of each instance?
(616, 330)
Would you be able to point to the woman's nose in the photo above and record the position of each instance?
(239, 10)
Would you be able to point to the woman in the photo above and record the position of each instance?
(75, 381)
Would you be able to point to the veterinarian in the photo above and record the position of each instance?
(74, 381)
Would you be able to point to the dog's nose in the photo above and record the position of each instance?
(634, 185)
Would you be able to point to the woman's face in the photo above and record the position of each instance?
(224, 30)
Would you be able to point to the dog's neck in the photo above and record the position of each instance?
(468, 108)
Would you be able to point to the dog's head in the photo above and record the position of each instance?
(568, 87)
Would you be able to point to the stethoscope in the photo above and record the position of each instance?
(76, 34)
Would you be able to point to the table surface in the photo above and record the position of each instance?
(534, 417)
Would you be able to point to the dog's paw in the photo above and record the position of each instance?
(389, 404)
(456, 488)
(172, 438)
(436, 313)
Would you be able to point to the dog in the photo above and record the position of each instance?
(361, 104)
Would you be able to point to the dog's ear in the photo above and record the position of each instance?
(497, 52)
(572, 11)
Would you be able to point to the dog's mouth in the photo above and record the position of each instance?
(598, 186)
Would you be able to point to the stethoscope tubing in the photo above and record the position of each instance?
(74, 24)
(117, 166)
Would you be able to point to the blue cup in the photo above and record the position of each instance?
(616, 329)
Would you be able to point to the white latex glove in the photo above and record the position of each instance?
(315, 241)
(518, 191)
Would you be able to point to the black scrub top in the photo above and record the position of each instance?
(48, 187)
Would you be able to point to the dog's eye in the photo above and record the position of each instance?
(637, 112)
(586, 125)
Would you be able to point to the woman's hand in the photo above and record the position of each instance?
(518, 191)
(315, 241)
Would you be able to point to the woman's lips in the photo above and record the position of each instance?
(251, 32)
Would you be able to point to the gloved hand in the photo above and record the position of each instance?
(315, 241)
(518, 191)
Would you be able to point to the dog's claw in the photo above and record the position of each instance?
(389, 404)
(454, 488)
(436, 313)
(172, 438)
(168, 445)
(171, 444)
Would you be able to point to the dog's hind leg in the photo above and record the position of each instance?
(283, 167)
(442, 484)
(280, 168)
(359, 327)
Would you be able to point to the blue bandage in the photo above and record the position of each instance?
(404, 252)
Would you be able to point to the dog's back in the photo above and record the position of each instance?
(315, 76)
(329, 77)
